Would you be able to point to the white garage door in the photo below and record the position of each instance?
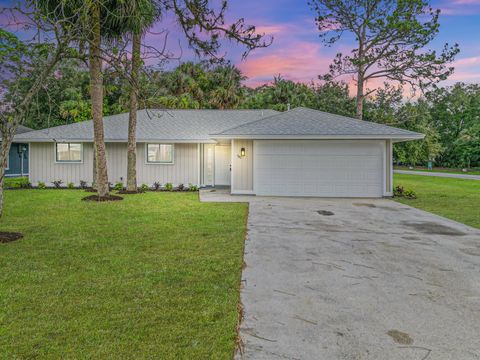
(319, 168)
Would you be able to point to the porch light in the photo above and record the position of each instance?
(242, 152)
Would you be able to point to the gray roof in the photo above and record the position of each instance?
(20, 130)
(304, 122)
(23, 129)
(153, 125)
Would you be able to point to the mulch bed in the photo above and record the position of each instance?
(6, 237)
(102, 198)
(90, 189)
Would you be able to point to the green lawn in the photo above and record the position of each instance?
(155, 276)
(457, 199)
(475, 171)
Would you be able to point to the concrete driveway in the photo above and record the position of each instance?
(357, 279)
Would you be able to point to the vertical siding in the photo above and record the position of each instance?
(242, 167)
(185, 169)
(117, 162)
(389, 168)
(43, 166)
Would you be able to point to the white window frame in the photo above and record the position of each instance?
(55, 153)
(159, 162)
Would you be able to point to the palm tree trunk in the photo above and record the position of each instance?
(96, 93)
(132, 120)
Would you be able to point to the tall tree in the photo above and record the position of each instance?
(133, 18)
(21, 61)
(390, 37)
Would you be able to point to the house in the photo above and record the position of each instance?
(17, 163)
(302, 152)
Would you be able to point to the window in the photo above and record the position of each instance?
(68, 152)
(160, 153)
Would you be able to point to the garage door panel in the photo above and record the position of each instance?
(352, 170)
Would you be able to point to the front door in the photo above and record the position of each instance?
(222, 164)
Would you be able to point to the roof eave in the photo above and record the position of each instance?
(396, 137)
(177, 141)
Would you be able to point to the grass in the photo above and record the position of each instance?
(456, 199)
(16, 183)
(473, 171)
(155, 276)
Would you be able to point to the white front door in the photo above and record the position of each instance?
(222, 164)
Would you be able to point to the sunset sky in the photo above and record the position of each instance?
(298, 54)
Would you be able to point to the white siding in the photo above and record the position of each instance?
(242, 167)
(43, 166)
(184, 170)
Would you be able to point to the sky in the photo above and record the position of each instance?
(297, 52)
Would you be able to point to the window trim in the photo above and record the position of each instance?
(159, 162)
(55, 153)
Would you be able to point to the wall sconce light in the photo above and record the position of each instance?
(242, 152)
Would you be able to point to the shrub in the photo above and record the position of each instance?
(181, 187)
(41, 185)
(168, 186)
(410, 194)
(398, 191)
(71, 185)
(118, 186)
(83, 184)
(57, 184)
(156, 186)
(192, 187)
(143, 188)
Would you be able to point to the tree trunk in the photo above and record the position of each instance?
(96, 93)
(132, 120)
(360, 96)
(8, 131)
(4, 152)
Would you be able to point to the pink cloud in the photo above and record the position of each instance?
(300, 61)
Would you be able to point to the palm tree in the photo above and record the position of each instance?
(136, 17)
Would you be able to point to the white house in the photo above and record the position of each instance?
(302, 152)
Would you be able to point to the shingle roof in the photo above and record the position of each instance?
(310, 123)
(154, 125)
(20, 130)
(23, 129)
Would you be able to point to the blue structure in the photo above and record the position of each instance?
(17, 164)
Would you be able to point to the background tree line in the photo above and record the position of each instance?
(449, 116)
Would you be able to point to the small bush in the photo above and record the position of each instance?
(410, 194)
(143, 188)
(41, 185)
(181, 187)
(169, 187)
(118, 186)
(156, 186)
(71, 185)
(57, 184)
(400, 191)
(83, 184)
(192, 187)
